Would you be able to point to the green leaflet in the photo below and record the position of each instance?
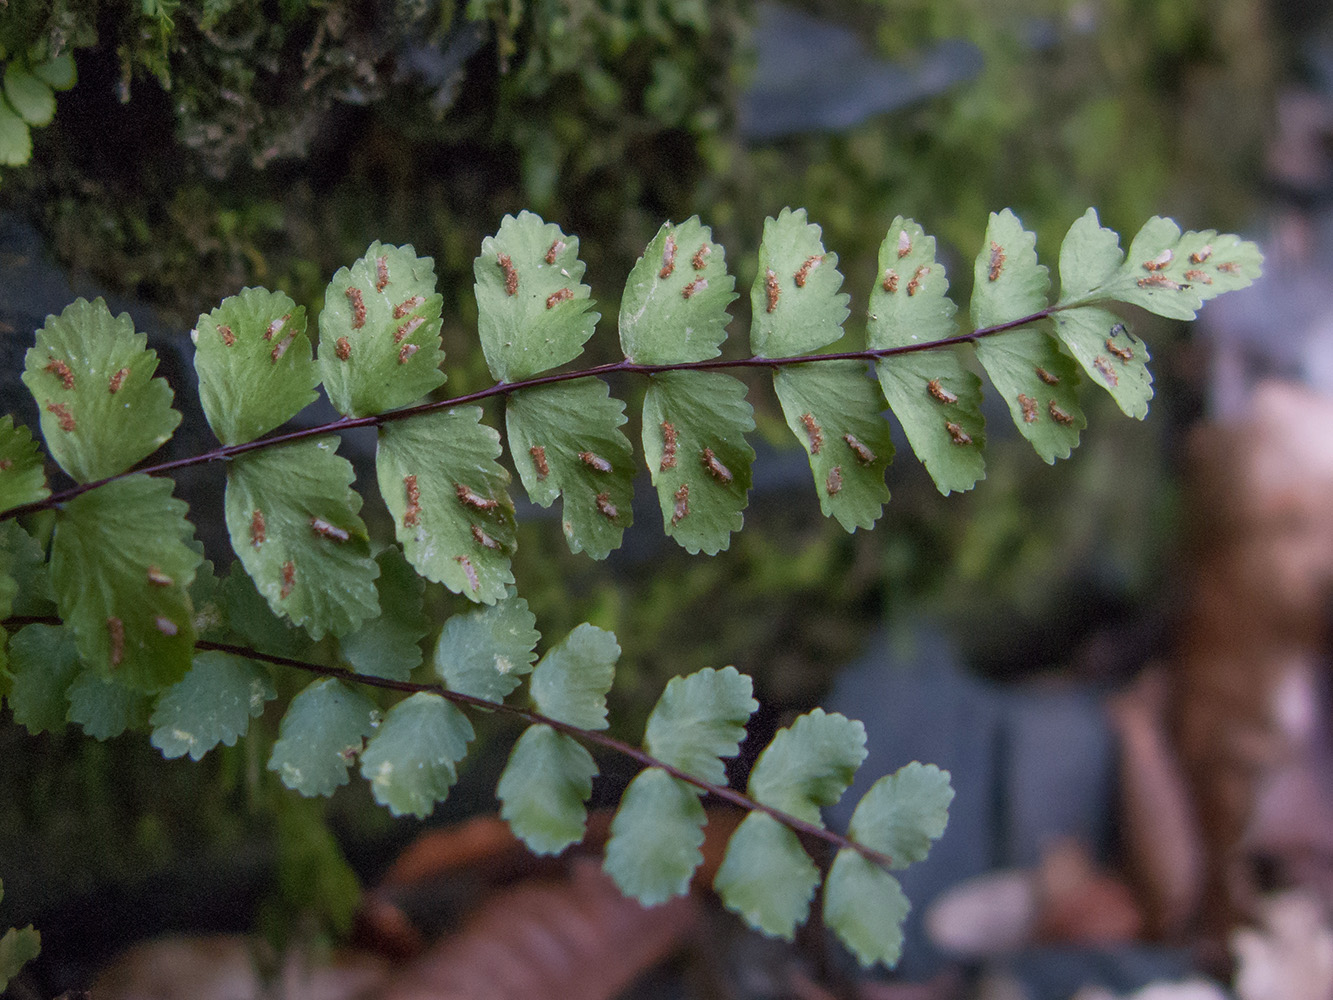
(1110, 355)
(105, 708)
(22, 478)
(92, 377)
(766, 877)
(17, 947)
(213, 704)
(44, 661)
(57, 72)
(1009, 282)
(440, 479)
(486, 652)
(933, 394)
(675, 304)
(903, 813)
(1039, 384)
(24, 587)
(1089, 257)
(566, 439)
(572, 679)
(29, 95)
(390, 645)
(120, 570)
(809, 764)
(694, 427)
(292, 516)
(796, 303)
(255, 364)
(533, 312)
(655, 838)
(247, 613)
(833, 409)
(410, 762)
(544, 787)
(865, 906)
(1172, 274)
(699, 719)
(15, 139)
(320, 736)
(379, 332)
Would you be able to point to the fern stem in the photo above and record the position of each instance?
(227, 452)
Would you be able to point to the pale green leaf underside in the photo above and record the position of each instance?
(903, 813)
(699, 719)
(833, 408)
(448, 496)
(796, 302)
(320, 736)
(766, 877)
(909, 302)
(675, 304)
(937, 399)
(255, 364)
(809, 764)
(390, 646)
(1110, 355)
(1009, 283)
(18, 946)
(1039, 385)
(44, 661)
(58, 72)
(865, 906)
(1089, 257)
(566, 439)
(15, 138)
(572, 679)
(485, 653)
(92, 377)
(694, 427)
(213, 704)
(294, 522)
(22, 478)
(379, 333)
(411, 762)
(655, 838)
(105, 708)
(533, 311)
(120, 570)
(23, 565)
(29, 95)
(544, 787)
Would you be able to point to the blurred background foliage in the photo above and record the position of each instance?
(213, 144)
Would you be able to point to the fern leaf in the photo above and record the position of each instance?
(294, 522)
(321, 734)
(572, 679)
(1110, 354)
(766, 877)
(533, 311)
(486, 652)
(675, 304)
(903, 813)
(1009, 282)
(121, 569)
(255, 364)
(1089, 257)
(796, 302)
(865, 906)
(212, 704)
(17, 948)
(655, 838)
(247, 613)
(694, 427)
(933, 394)
(833, 408)
(104, 707)
(15, 138)
(92, 377)
(43, 660)
(700, 719)
(411, 762)
(809, 764)
(29, 95)
(544, 788)
(379, 332)
(22, 478)
(565, 439)
(440, 479)
(1039, 384)
(390, 646)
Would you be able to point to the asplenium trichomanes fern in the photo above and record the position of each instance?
(123, 623)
